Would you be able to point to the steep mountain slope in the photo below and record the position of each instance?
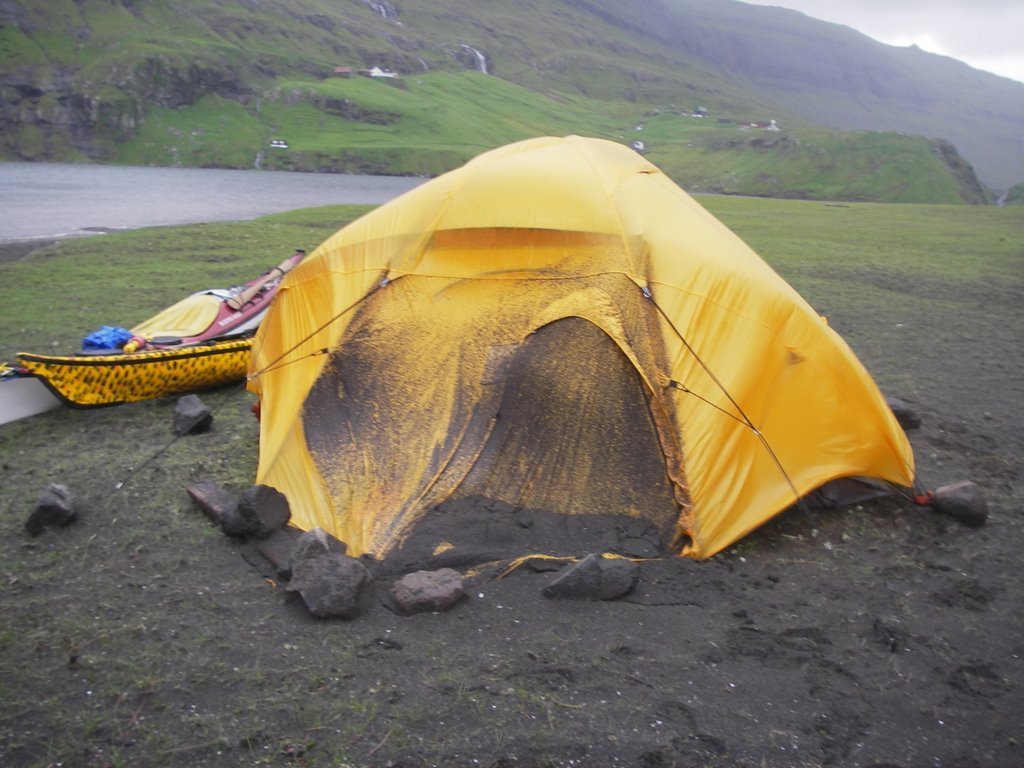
(838, 77)
(209, 82)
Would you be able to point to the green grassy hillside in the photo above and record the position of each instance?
(211, 83)
(1015, 196)
(436, 121)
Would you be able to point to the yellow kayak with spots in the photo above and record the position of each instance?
(89, 381)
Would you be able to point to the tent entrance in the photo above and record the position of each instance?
(572, 463)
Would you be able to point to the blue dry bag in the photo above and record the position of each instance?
(107, 337)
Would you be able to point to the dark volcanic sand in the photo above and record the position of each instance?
(882, 635)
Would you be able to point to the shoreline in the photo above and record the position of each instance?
(16, 250)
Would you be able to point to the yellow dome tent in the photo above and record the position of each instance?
(555, 326)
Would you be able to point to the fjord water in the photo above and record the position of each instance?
(48, 200)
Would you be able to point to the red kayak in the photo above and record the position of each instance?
(202, 341)
(212, 314)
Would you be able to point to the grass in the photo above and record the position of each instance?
(145, 269)
(797, 161)
(885, 274)
(425, 125)
(431, 122)
(137, 637)
(208, 83)
(877, 272)
(209, 86)
(921, 252)
(976, 244)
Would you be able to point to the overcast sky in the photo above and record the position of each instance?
(987, 34)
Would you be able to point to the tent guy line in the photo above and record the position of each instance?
(390, 276)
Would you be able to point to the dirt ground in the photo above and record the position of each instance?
(879, 635)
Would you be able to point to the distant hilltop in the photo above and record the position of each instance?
(117, 84)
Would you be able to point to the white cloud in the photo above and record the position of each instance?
(985, 34)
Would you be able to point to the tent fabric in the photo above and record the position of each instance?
(555, 326)
(188, 317)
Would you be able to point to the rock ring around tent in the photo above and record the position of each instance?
(554, 332)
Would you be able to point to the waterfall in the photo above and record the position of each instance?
(384, 9)
(481, 60)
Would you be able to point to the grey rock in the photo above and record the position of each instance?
(577, 581)
(594, 578)
(963, 501)
(314, 543)
(332, 585)
(234, 524)
(904, 412)
(56, 507)
(191, 416)
(214, 500)
(428, 591)
(262, 510)
(618, 578)
(275, 550)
